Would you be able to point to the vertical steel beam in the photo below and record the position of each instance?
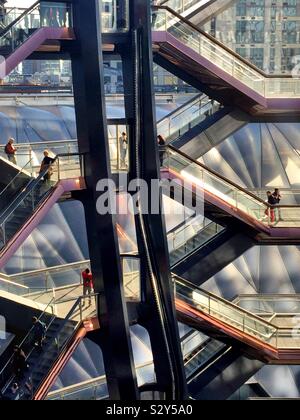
(158, 312)
(89, 97)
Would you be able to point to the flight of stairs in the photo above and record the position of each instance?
(41, 362)
(199, 358)
(194, 243)
(23, 212)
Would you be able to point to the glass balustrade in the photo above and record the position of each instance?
(28, 200)
(270, 304)
(45, 14)
(65, 282)
(33, 152)
(224, 311)
(191, 343)
(115, 16)
(190, 236)
(16, 185)
(195, 173)
(164, 20)
(248, 204)
(203, 356)
(187, 117)
(95, 389)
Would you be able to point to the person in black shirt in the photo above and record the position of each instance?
(47, 164)
(270, 210)
(162, 149)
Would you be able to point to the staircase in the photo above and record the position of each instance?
(194, 242)
(28, 208)
(29, 32)
(257, 337)
(227, 203)
(199, 125)
(62, 338)
(229, 78)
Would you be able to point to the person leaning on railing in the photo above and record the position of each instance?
(270, 212)
(47, 164)
(11, 151)
(277, 197)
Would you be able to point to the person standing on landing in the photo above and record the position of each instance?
(11, 151)
(88, 286)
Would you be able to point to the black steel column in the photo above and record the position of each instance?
(158, 312)
(88, 81)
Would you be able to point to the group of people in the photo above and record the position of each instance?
(274, 200)
(46, 164)
(53, 14)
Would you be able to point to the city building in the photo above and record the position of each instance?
(265, 32)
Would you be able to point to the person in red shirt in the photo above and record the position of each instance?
(88, 285)
(10, 151)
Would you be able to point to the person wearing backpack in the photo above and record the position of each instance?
(10, 151)
(39, 332)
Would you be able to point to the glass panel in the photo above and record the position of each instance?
(181, 6)
(164, 20)
(132, 278)
(115, 16)
(270, 304)
(45, 14)
(212, 184)
(202, 357)
(17, 185)
(191, 236)
(224, 311)
(186, 117)
(24, 205)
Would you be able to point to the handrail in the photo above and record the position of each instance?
(15, 177)
(181, 107)
(50, 269)
(19, 199)
(183, 228)
(31, 185)
(279, 296)
(182, 224)
(7, 278)
(220, 299)
(73, 388)
(220, 44)
(12, 24)
(229, 182)
(41, 143)
(216, 174)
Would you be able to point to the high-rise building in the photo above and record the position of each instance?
(265, 32)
